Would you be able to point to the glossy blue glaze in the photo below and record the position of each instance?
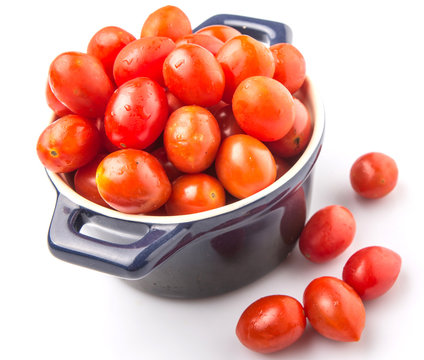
(200, 257)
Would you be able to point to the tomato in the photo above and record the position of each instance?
(106, 144)
(132, 181)
(171, 171)
(296, 140)
(85, 181)
(194, 76)
(282, 166)
(106, 44)
(209, 42)
(374, 175)
(136, 113)
(80, 82)
(142, 57)
(271, 323)
(242, 57)
(244, 165)
(169, 21)
(372, 271)
(221, 32)
(68, 143)
(193, 193)
(58, 108)
(327, 233)
(334, 309)
(173, 102)
(290, 68)
(191, 138)
(263, 108)
(227, 122)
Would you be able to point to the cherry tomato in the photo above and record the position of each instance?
(209, 42)
(244, 165)
(106, 44)
(374, 175)
(334, 309)
(191, 138)
(142, 57)
(169, 21)
(80, 82)
(136, 114)
(68, 143)
(106, 144)
(372, 271)
(296, 140)
(171, 171)
(283, 166)
(173, 102)
(85, 181)
(327, 233)
(227, 122)
(290, 68)
(133, 181)
(58, 108)
(242, 57)
(193, 193)
(271, 323)
(194, 76)
(221, 32)
(263, 108)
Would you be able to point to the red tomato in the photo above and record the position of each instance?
(54, 104)
(106, 145)
(244, 165)
(282, 166)
(106, 44)
(193, 193)
(290, 68)
(169, 21)
(334, 309)
(173, 102)
(85, 181)
(193, 75)
(271, 323)
(191, 138)
(209, 42)
(132, 181)
(227, 122)
(142, 57)
(327, 233)
(296, 140)
(167, 165)
(374, 175)
(68, 143)
(263, 108)
(221, 32)
(372, 271)
(243, 57)
(136, 114)
(80, 82)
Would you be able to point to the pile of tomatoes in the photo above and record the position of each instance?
(174, 122)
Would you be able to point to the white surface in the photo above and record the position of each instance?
(367, 58)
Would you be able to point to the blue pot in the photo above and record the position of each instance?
(199, 254)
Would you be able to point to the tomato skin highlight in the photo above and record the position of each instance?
(68, 143)
(327, 233)
(271, 323)
(132, 181)
(80, 82)
(374, 175)
(334, 309)
(136, 114)
(372, 271)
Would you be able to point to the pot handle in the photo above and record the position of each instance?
(121, 248)
(270, 32)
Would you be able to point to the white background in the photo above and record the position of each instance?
(367, 60)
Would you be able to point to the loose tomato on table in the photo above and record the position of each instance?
(68, 143)
(133, 181)
(244, 165)
(136, 114)
(334, 309)
(271, 323)
(191, 138)
(194, 76)
(372, 271)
